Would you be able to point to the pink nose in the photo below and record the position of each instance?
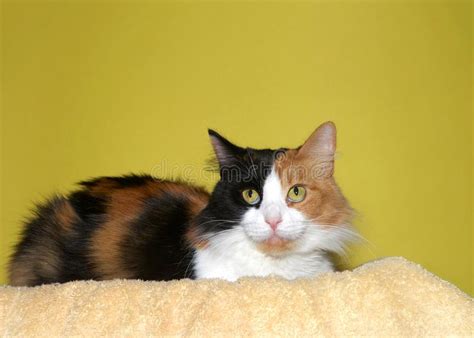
(273, 222)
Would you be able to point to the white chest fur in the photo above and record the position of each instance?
(232, 255)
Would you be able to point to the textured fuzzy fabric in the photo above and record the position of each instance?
(386, 297)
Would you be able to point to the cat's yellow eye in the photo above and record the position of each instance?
(251, 196)
(296, 194)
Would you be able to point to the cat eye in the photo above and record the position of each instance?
(296, 193)
(251, 196)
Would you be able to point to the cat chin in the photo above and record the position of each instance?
(276, 246)
(273, 244)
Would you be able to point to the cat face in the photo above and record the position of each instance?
(283, 200)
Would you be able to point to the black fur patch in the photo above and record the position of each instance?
(155, 249)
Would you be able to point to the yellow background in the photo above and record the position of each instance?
(105, 88)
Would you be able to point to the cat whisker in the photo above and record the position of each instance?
(217, 221)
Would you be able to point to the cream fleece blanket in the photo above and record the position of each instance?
(386, 297)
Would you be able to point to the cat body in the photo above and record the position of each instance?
(273, 212)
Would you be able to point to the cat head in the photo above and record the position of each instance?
(283, 200)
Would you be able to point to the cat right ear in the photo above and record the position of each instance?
(225, 151)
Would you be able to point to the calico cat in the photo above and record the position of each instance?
(273, 212)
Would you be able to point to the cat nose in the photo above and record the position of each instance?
(273, 222)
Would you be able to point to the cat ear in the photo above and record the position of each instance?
(225, 151)
(321, 146)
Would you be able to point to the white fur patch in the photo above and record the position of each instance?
(232, 255)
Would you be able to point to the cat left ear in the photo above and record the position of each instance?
(225, 151)
(321, 146)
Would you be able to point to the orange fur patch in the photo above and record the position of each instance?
(324, 202)
(65, 215)
(42, 259)
(274, 247)
(125, 205)
(198, 201)
(193, 238)
(21, 272)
